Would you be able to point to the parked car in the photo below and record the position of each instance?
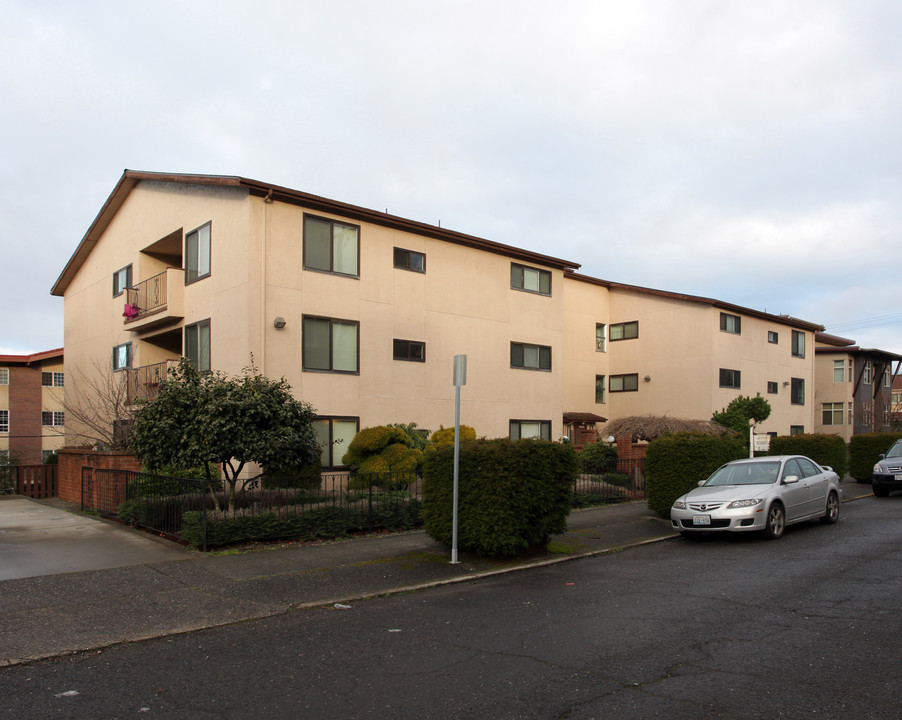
(764, 494)
(887, 475)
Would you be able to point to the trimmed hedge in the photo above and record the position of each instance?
(824, 449)
(675, 463)
(513, 495)
(865, 450)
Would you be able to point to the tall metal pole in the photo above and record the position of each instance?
(460, 378)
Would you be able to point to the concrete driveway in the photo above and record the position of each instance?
(38, 539)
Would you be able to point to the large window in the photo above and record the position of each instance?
(4, 421)
(330, 345)
(4, 376)
(410, 260)
(530, 279)
(522, 429)
(624, 331)
(599, 389)
(623, 383)
(52, 379)
(729, 378)
(839, 371)
(797, 391)
(197, 254)
(798, 344)
(730, 323)
(833, 413)
(600, 338)
(530, 357)
(121, 280)
(330, 246)
(197, 345)
(122, 356)
(334, 434)
(409, 350)
(53, 418)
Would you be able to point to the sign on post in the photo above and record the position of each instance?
(460, 378)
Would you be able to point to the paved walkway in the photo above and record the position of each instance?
(50, 615)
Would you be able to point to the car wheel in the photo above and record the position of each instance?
(831, 514)
(776, 522)
(880, 491)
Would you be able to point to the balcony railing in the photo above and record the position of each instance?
(147, 296)
(144, 382)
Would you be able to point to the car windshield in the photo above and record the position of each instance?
(895, 450)
(765, 473)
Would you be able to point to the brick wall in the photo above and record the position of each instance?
(25, 430)
(72, 460)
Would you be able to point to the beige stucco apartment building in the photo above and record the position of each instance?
(363, 312)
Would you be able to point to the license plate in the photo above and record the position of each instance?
(899, 478)
(701, 519)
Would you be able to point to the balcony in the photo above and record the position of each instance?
(144, 382)
(157, 301)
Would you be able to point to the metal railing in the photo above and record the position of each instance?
(148, 295)
(617, 481)
(144, 382)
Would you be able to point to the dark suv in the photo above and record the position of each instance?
(887, 474)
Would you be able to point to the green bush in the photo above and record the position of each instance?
(445, 436)
(513, 495)
(382, 449)
(865, 451)
(824, 449)
(305, 478)
(598, 457)
(675, 463)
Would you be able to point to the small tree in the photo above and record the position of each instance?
(737, 414)
(597, 458)
(211, 420)
(445, 436)
(382, 449)
(98, 408)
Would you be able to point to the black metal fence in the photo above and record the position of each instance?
(618, 481)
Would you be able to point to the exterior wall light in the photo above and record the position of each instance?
(278, 323)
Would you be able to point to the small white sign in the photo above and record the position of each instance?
(762, 442)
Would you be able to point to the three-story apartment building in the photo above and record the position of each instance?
(32, 415)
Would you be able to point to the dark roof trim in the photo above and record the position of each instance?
(33, 357)
(130, 178)
(855, 350)
(835, 340)
(782, 319)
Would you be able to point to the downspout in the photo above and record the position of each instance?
(266, 201)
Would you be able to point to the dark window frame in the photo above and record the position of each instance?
(193, 274)
(544, 428)
(331, 269)
(128, 360)
(601, 389)
(401, 259)
(773, 388)
(332, 322)
(518, 356)
(725, 322)
(196, 327)
(797, 391)
(773, 337)
(117, 288)
(332, 419)
(4, 422)
(798, 344)
(625, 329)
(51, 381)
(623, 378)
(409, 350)
(730, 378)
(518, 279)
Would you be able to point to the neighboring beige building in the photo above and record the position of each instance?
(32, 417)
(854, 387)
(363, 312)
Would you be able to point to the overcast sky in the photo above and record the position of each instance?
(747, 151)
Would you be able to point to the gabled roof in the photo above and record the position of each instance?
(130, 178)
(738, 309)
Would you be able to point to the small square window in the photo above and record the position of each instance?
(772, 388)
(729, 378)
(796, 429)
(772, 337)
(409, 350)
(730, 323)
(52, 379)
(410, 260)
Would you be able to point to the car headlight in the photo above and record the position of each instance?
(878, 468)
(679, 505)
(745, 503)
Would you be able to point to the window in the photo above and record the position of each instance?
(522, 429)
(832, 413)
(121, 280)
(850, 413)
(886, 377)
(772, 388)
(772, 337)
(410, 260)
(530, 357)
(796, 429)
(409, 350)
(730, 323)
(122, 356)
(197, 345)
(729, 378)
(839, 371)
(599, 389)
(4, 376)
(52, 379)
(53, 418)
(798, 344)
(530, 279)
(867, 373)
(330, 345)
(797, 391)
(600, 338)
(334, 434)
(4, 421)
(197, 254)
(330, 246)
(623, 383)
(624, 331)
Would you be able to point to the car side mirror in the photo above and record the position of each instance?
(790, 479)
(701, 482)
(883, 456)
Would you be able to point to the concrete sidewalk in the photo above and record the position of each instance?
(58, 614)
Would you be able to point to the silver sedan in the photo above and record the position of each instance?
(764, 494)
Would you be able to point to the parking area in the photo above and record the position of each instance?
(39, 539)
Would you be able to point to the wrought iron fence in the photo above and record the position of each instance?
(34, 481)
(148, 295)
(619, 480)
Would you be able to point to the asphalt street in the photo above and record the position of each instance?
(729, 627)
